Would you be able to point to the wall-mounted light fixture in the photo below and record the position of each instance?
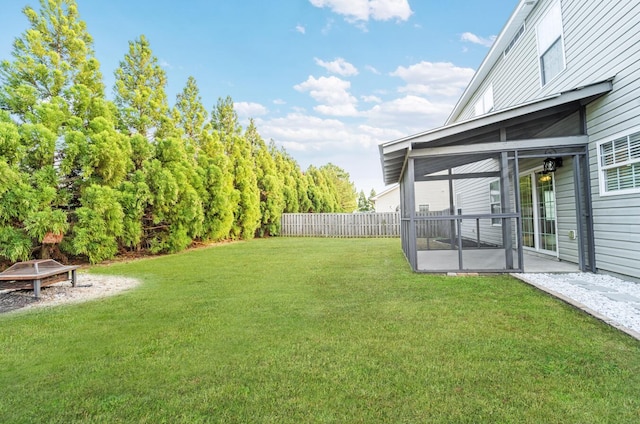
(551, 164)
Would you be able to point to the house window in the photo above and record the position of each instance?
(485, 104)
(514, 40)
(550, 44)
(494, 201)
(620, 164)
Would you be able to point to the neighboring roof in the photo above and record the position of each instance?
(385, 192)
(514, 23)
(524, 119)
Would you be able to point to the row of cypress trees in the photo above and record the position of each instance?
(132, 173)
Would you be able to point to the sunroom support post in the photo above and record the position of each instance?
(505, 206)
(452, 211)
(582, 185)
(580, 216)
(518, 203)
(410, 204)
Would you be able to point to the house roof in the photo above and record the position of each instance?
(386, 191)
(515, 22)
(522, 122)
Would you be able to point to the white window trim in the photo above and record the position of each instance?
(601, 178)
(487, 98)
(544, 83)
(491, 203)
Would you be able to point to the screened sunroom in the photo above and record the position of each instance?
(519, 189)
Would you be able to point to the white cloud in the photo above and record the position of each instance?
(300, 29)
(306, 133)
(316, 141)
(302, 132)
(249, 109)
(372, 69)
(279, 102)
(332, 94)
(439, 79)
(338, 66)
(365, 10)
(383, 10)
(409, 114)
(371, 99)
(475, 39)
(327, 27)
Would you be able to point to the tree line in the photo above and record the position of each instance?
(132, 173)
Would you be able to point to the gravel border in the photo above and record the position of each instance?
(610, 299)
(88, 287)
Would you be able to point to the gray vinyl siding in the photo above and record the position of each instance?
(475, 199)
(566, 211)
(616, 217)
(601, 40)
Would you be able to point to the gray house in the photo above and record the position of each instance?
(541, 153)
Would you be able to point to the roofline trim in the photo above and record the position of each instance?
(518, 17)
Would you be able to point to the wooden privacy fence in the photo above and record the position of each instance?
(385, 224)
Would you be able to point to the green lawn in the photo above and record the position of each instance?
(314, 330)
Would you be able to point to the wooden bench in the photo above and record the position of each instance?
(36, 274)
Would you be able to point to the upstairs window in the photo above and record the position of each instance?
(514, 40)
(619, 162)
(550, 44)
(485, 103)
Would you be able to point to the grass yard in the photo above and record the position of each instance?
(314, 331)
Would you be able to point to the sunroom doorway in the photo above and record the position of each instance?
(538, 205)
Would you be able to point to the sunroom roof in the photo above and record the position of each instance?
(515, 123)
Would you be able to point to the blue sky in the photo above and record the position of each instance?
(327, 79)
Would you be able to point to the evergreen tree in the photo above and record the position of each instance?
(100, 223)
(177, 213)
(270, 184)
(345, 190)
(287, 169)
(53, 60)
(53, 87)
(366, 204)
(224, 121)
(224, 118)
(140, 92)
(190, 115)
(372, 204)
(302, 184)
(164, 190)
(219, 197)
(321, 190)
(363, 203)
(216, 183)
